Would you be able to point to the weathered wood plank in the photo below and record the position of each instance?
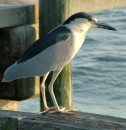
(8, 123)
(13, 15)
(79, 121)
(19, 2)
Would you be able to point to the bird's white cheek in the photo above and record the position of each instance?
(85, 27)
(93, 26)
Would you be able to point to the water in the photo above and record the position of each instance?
(99, 70)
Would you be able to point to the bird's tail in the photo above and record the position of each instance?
(23, 70)
(12, 73)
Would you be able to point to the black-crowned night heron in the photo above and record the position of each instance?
(53, 51)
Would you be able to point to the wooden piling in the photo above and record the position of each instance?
(53, 13)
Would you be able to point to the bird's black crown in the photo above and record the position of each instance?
(78, 15)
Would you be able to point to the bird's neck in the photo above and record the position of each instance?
(79, 34)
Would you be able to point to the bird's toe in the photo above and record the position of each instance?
(52, 110)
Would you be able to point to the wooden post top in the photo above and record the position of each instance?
(14, 15)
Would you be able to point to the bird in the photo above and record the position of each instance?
(53, 51)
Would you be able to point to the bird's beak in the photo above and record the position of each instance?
(100, 24)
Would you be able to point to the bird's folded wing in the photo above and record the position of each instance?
(54, 37)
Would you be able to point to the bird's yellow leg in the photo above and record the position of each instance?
(43, 91)
(54, 76)
(57, 108)
(46, 108)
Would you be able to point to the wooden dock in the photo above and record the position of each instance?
(10, 120)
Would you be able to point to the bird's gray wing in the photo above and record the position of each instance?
(59, 34)
(49, 53)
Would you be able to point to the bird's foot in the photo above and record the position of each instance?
(59, 110)
(51, 110)
(66, 111)
(70, 111)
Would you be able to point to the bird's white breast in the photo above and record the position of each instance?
(79, 28)
(78, 40)
(78, 37)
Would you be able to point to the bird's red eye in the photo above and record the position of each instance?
(90, 20)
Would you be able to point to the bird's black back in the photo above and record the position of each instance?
(59, 34)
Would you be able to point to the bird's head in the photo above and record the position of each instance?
(86, 22)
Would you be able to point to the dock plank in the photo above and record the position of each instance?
(8, 123)
(79, 121)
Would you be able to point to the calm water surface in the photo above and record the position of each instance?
(99, 70)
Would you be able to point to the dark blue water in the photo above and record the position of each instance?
(99, 70)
